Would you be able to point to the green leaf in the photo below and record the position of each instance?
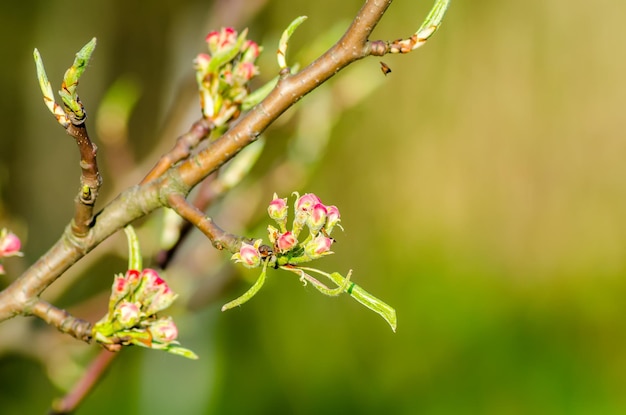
(248, 294)
(284, 41)
(134, 250)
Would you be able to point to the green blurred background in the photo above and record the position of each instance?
(482, 188)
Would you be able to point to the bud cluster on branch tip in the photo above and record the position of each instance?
(10, 245)
(223, 74)
(288, 248)
(136, 298)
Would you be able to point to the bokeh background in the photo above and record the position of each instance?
(482, 187)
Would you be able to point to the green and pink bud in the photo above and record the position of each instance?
(332, 219)
(244, 72)
(128, 314)
(306, 202)
(201, 63)
(317, 218)
(250, 51)
(248, 255)
(160, 301)
(163, 331)
(318, 247)
(278, 210)
(286, 242)
(225, 39)
(120, 289)
(150, 284)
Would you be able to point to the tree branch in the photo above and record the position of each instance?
(62, 320)
(92, 375)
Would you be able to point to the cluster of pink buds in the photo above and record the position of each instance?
(292, 248)
(310, 212)
(10, 245)
(136, 298)
(223, 74)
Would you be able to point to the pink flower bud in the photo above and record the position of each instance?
(150, 286)
(306, 202)
(244, 71)
(121, 287)
(317, 218)
(127, 313)
(250, 51)
(163, 331)
(160, 301)
(286, 242)
(151, 279)
(224, 39)
(212, 38)
(202, 62)
(318, 247)
(332, 218)
(10, 244)
(248, 255)
(278, 208)
(133, 277)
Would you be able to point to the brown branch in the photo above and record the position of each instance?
(207, 193)
(181, 150)
(90, 179)
(62, 320)
(92, 375)
(218, 237)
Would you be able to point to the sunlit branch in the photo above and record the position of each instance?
(181, 150)
(62, 320)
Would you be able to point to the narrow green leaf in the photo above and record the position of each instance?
(181, 351)
(368, 300)
(46, 90)
(248, 294)
(284, 41)
(134, 250)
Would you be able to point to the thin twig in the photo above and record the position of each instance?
(92, 375)
(218, 237)
(90, 179)
(62, 320)
(181, 150)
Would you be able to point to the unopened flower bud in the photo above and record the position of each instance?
(225, 39)
(248, 255)
(160, 301)
(306, 202)
(250, 51)
(316, 218)
(332, 219)
(127, 313)
(201, 62)
(10, 244)
(244, 71)
(163, 330)
(278, 209)
(318, 247)
(134, 279)
(150, 284)
(286, 242)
